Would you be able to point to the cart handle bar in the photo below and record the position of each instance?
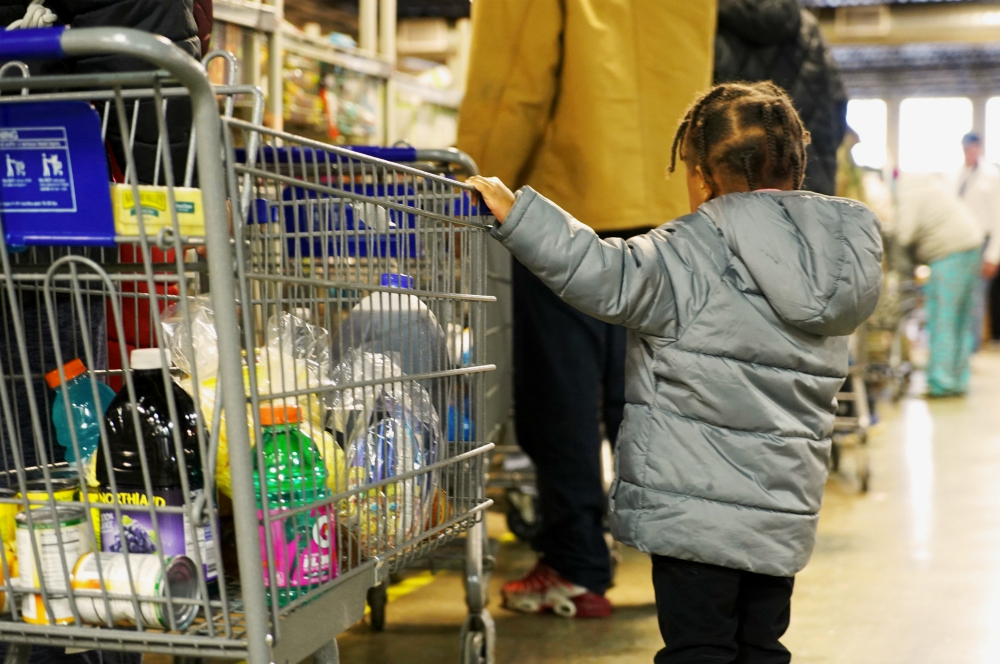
(42, 43)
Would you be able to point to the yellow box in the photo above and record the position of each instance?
(155, 216)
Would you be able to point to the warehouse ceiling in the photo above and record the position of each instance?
(865, 3)
(914, 47)
(915, 70)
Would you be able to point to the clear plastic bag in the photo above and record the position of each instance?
(295, 358)
(392, 429)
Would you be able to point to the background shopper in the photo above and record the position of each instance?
(777, 40)
(979, 188)
(944, 234)
(579, 99)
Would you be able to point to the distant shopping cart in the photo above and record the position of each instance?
(254, 313)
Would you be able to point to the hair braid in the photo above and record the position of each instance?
(799, 168)
(678, 137)
(781, 147)
(772, 141)
(748, 171)
(703, 156)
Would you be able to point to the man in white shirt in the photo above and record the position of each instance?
(942, 232)
(979, 188)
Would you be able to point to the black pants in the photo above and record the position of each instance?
(716, 615)
(993, 304)
(569, 375)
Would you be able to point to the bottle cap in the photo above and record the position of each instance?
(143, 359)
(72, 369)
(396, 280)
(279, 414)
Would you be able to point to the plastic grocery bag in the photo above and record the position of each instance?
(292, 360)
(296, 359)
(391, 429)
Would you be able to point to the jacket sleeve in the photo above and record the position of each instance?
(512, 84)
(617, 281)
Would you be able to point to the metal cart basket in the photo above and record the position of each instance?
(300, 363)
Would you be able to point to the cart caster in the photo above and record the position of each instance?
(864, 466)
(17, 653)
(378, 596)
(522, 515)
(478, 639)
(328, 654)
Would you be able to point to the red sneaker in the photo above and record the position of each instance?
(543, 589)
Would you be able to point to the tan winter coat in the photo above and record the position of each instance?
(581, 98)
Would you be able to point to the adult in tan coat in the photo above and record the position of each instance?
(579, 99)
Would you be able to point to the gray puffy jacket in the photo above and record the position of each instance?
(737, 317)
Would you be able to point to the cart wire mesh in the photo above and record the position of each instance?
(360, 294)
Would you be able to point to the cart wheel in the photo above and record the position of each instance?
(864, 465)
(474, 648)
(525, 528)
(378, 596)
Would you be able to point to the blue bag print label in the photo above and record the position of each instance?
(173, 535)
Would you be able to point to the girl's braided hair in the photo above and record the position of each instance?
(745, 136)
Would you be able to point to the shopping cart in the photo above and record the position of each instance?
(497, 391)
(853, 418)
(887, 345)
(331, 450)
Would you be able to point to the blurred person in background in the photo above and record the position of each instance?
(579, 99)
(777, 40)
(941, 232)
(979, 188)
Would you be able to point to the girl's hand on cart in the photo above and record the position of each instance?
(498, 198)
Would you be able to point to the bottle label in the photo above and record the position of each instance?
(305, 548)
(174, 535)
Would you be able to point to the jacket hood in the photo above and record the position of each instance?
(762, 22)
(817, 259)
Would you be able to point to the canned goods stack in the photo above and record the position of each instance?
(227, 472)
(49, 542)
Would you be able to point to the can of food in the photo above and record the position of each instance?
(62, 472)
(150, 579)
(8, 533)
(8, 512)
(63, 490)
(6, 599)
(72, 530)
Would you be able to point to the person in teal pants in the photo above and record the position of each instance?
(950, 316)
(943, 234)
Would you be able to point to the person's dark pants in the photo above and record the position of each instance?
(569, 376)
(716, 615)
(994, 306)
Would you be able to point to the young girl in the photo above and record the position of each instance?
(738, 316)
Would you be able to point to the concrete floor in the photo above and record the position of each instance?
(909, 573)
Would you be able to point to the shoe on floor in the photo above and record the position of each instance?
(543, 589)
